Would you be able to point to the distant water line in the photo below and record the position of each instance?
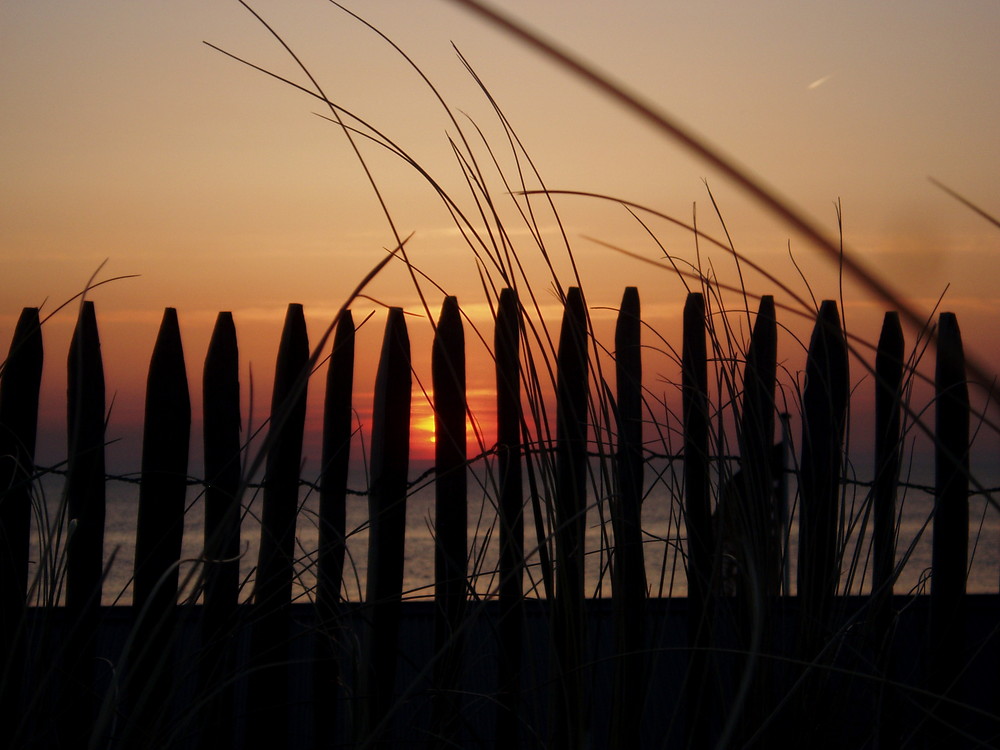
(663, 534)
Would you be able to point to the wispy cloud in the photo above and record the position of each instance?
(819, 82)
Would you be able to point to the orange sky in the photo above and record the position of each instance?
(125, 138)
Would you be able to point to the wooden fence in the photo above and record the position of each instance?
(738, 662)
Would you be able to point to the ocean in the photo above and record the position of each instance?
(663, 527)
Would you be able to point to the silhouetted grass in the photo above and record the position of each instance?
(763, 675)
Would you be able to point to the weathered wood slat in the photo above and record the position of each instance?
(390, 456)
(450, 520)
(510, 502)
(222, 449)
(824, 420)
(19, 389)
(162, 491)
(697, 518)
(629, 572)
(569, 712)
(268, 683)
(85, 503)
(824, 410)
(337, 432)
(889, 372)
(750, 520)
(950, 547)
(758, 521)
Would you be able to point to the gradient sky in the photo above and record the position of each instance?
(125, 138)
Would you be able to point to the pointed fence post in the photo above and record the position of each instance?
(222, 447)
(569, 715)
(824, 416)
(337, 431)
(753, 519)
(269, 646)
(629, 582)
(824, 405)
(19, 387)
(390, 455)
(85, 500)
(889, 364)
(698, 519)
(450, 521)
(162, 490)
(756, 438)
(950, 548)
(889, 370)
(506, 344)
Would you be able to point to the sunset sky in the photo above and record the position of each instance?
(125, 138)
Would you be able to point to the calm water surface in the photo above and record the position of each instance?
(663, 526)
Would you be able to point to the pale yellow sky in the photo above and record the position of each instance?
(125, 138)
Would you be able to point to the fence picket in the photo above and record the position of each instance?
(221, 429)
(759, 520)
(569, 713)
(889, 372)
(629, 573)
(824, 407)
(751, 518)
(337, 431)
(450, 521)
(269, 645)
(390, 457)
(19, 389)
(697, 518)
(160, 526)
(510, 506)
(824, 418)
(950, 547)
(85, 502)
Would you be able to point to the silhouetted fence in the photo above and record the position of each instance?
(738, 662)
